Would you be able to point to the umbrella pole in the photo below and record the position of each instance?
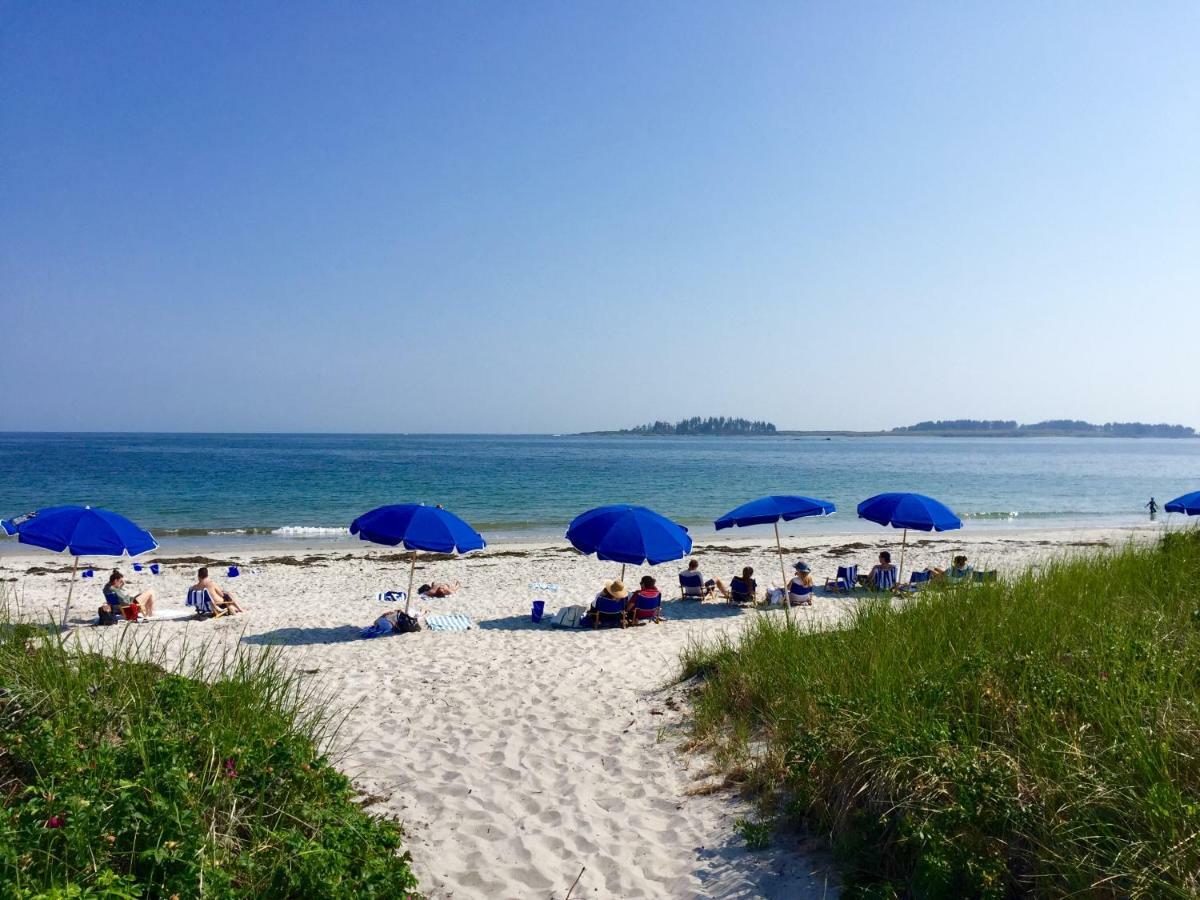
(903, 544)
(412, 568)
(622, 573)
(70, 590)
(787, 606)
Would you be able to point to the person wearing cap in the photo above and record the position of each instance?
(800, 588)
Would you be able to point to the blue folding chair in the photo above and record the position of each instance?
(989, 575)
(740, 591)
(917, 580)
(646, 608)
(608, 611)
(691, 586)
(799, 594)
(845, 582)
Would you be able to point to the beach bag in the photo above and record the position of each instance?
(776, 595)
(569, 617)
(107, 616)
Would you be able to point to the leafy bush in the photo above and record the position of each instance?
(122, 779)
(1038, 736)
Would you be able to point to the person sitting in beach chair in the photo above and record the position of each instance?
(438, 589)
(646, 602)
(742, 589)
(127, 605)
(610, 607)
(800, 588)
(957, 572)
(692, 585)
(845, 581)
(221, 600)
(882, 576)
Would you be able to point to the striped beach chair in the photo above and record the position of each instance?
(845, 581)
(202, 603)
(799, 594)
(885, 579)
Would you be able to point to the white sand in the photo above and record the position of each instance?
(516, 754)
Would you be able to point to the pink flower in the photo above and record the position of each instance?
(56, 822)
(230, 770)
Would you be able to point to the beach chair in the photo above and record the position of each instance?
(647, 608)
(607, 611)
(954, 576)
(845, 582)
(203, 604)
(691, 586)
(917, 580)
(799, 595)
(740, 592)
(989, 575)
(885, 579)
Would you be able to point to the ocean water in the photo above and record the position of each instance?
(517, 487)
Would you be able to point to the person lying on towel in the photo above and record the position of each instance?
(438, 589)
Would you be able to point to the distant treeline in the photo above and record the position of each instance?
(1050, 426)
(697, 425)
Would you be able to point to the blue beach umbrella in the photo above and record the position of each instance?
(907, 511)
(769, 511)
(630, 535)
(1188, 504)
(417, 527)
(80, 531)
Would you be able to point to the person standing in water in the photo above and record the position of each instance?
(1152, 506)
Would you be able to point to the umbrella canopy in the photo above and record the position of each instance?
(1188, 504)
(908, 511)
(768, 510)
(629, 534)
(82, 531)
(417, 527)
(914, 511)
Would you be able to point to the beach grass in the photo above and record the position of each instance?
(1034, 736)
(123, 776)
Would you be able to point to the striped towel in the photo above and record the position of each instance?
(391, 596)
(449, 622)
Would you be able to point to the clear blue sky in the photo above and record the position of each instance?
(563, 216)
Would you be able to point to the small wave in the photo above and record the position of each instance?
(991, 515)
(310, 530)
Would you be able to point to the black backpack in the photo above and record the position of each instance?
(401, 622)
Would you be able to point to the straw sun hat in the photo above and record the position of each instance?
(616, 590)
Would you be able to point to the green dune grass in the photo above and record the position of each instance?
(120, 778)
(1035, 736)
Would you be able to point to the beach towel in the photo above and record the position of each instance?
(449, 622)
(391, 596)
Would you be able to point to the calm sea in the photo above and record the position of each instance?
(516, 487)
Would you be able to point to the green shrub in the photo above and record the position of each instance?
(122, 779)
(1035, 736)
